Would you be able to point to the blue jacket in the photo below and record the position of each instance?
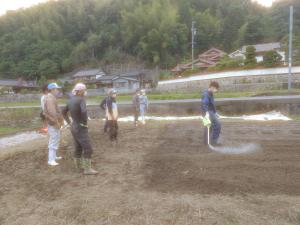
(143, 100)
(208, 102)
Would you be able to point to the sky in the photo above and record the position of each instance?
(267, 3)
(17, 4)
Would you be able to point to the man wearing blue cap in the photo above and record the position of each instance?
(55, 121)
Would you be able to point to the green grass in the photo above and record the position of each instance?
(295, 117)
(196, 95)
(12, 104)
(12, 130)
(166, 96)
(169, 96)
(33, 103)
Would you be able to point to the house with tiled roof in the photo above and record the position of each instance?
(124, 82)
(260, 50)
(205, 60)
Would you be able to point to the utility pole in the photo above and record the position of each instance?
(194, 31)
(291, 48)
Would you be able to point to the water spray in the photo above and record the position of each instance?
(242, 149)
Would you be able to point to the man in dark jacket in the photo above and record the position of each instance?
(103, 106)
(209, 112)
(79, 129)
(112, 116)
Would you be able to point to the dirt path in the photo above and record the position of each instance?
(159, 175)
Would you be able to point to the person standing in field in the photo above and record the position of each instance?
(103, 106)
(112, 116)
(44, 129)
(143, 105)
(209, 112)
(55, 121)
(76, 105)
(136, 107)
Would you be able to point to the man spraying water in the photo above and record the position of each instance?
(211, 118)
(213, 126)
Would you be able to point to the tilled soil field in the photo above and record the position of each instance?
(159, 174)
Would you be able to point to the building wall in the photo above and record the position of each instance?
(255, 83)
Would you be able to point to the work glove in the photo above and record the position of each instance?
(83, 125)
(207, 115)
(206, 120)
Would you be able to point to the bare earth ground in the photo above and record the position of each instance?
(160, 174)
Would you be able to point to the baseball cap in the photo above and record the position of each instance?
(53, 86)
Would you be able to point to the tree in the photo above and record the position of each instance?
(48, 68)
(93, 42)
(254, 31)
(272, 58)
(59, 36)
(80, 55)
(43, 80)
(227, 63)
(250, 56)
(208, 30)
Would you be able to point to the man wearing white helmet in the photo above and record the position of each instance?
(79, 129)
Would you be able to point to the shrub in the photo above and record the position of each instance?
(250, 57)
(272, 58)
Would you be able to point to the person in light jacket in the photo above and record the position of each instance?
(143, 105)
(44, 129)
(55, 121)
(136, 107)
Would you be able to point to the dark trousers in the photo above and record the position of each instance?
(113, 129)
(136, 115)
(105, 125)
(82, 143)
(214, 130)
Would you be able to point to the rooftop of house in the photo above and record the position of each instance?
(130, 74)
(212, 52)
(264, 47)
(89, 73)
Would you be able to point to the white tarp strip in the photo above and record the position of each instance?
(260, 117)
(19, 139)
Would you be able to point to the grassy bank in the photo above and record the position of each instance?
(171, 96)
(5, 130)
(295, 117)
(197, 95)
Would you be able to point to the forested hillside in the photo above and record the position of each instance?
(58, 36)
